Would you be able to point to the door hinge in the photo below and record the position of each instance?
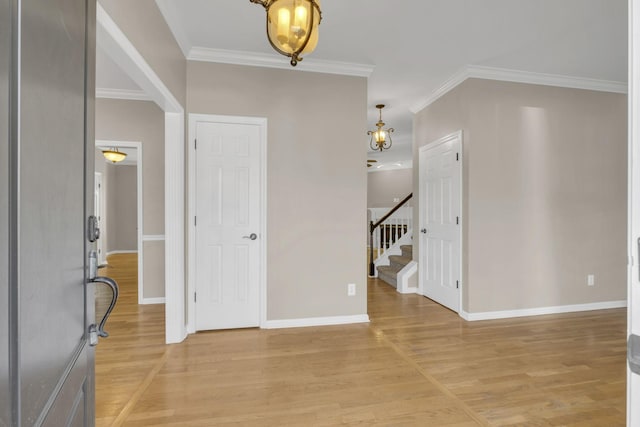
(195, 221)
(457, 284)
(457, 220)
(195, 297)
(457, 157)
(195, 144)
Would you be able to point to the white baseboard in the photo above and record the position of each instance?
(153, 237)
(159, 300)
(492, 315)
(315, 321)
(121, 252)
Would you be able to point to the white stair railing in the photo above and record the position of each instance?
(386, 227)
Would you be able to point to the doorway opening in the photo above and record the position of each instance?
(120, 214)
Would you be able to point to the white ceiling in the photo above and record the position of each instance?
(415, 46)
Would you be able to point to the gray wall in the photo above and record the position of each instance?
(144, 26)
(316, 186)
(141, 121)
(385, 186)
(122, 210)
(544, 199)
(304, 238)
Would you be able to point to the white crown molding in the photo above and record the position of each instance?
(508, 314)
(256, 59)
(391, 166)
(515, 76)
(168, 11)
(449, 84)
(128, 94)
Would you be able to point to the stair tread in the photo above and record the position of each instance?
(400, 259)
(388, 269)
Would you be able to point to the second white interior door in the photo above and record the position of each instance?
(440, 222)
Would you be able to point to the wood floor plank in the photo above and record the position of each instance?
(415, 364)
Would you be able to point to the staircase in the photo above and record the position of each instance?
(389, 273)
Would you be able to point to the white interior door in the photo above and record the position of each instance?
(633, 367)
(228, 225)
(440, 202)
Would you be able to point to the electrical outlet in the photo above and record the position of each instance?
(351, 289)
(591, 280)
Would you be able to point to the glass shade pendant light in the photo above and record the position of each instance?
(292, 26)
(113, 155)
(380, 137)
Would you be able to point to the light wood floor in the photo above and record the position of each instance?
(415, 364)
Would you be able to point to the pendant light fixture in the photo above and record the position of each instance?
(113, 155)
(292, 26)
(380, 137)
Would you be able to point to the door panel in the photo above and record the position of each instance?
(228, 197)
(440, 186)
(5, 54)
(68, 406)
(633, 324)
(44, 244)
(51, 210)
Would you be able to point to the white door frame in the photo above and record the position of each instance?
(191, 267)
(100, 213)
(633, 271)
(139, 238)
(115, 43)
(422, 208)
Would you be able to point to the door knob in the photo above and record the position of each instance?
(252, 236)
(96, 331)
(423, 231)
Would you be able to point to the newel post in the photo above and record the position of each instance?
(372, 269)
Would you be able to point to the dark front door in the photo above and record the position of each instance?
(46, 194)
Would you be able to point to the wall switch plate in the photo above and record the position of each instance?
(351, 289)
(591, 280)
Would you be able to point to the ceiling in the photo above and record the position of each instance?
(415, 46)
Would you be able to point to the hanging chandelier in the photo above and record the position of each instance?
(292, 26)
(380, 137)
(114, 155)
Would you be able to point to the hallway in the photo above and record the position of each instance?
(416, 363)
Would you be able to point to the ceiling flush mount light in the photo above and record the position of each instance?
(380, 138)
(292, 26)
(113, 155)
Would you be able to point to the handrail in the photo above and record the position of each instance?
(372, 228)
(388, 214)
